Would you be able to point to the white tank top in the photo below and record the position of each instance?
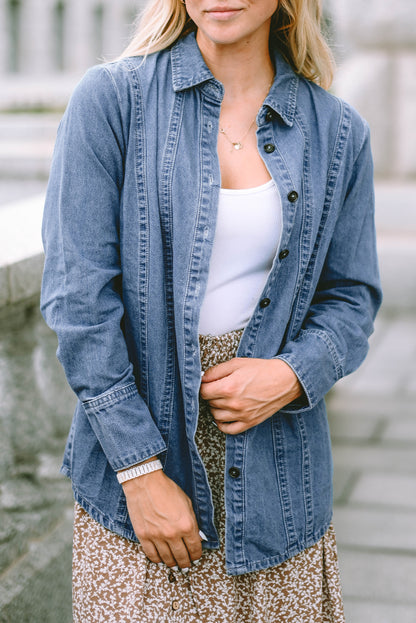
(247, 236)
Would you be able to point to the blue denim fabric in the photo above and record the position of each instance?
(128, 229)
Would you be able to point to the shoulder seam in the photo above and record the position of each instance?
(113, 82)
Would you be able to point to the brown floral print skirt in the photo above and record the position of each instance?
(114, 582)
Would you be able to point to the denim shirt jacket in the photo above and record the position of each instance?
(128, 230)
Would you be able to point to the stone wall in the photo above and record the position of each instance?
(36, 502)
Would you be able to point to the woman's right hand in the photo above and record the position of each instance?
(163, 519)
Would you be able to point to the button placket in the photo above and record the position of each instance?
(293, 196)
(264, 303)
(234, 472)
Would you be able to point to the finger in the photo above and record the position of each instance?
(220, 370)
(180, 553)
(221, 404)
(226, 387)
(165, 553)
(194, 547)
(233, 428)
(212, 390)
(221, 415)
(150, 551)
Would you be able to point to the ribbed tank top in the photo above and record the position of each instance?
(247, 236)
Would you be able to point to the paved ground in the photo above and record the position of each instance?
(373, 426)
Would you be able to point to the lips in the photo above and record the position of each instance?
(221, 12)
(221, 9)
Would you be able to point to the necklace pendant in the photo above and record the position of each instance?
(237, 146)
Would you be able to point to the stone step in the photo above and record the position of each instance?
(395, 208)
(48, 92)
(28, 127)
(26, 145)
(25, 160)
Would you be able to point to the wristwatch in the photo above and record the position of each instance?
(138, 470)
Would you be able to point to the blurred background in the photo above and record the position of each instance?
(45, 47)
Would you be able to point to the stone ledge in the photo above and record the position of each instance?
(21, 252)
(38, 586)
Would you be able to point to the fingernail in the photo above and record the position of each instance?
(202, 535)
(185, 570)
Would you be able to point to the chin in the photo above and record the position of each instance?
(222, 37)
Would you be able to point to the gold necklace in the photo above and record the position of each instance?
(237, 145)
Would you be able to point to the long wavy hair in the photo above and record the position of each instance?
(295, 29)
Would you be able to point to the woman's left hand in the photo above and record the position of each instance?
(243, 392)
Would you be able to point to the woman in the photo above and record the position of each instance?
(210, 207)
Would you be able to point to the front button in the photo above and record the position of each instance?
(269, 148)
(265, 303)
(283, 254)
(175, 605)
(269, 115)
(293, 196)
(234, 472)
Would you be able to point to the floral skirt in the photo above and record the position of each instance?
(113, 581)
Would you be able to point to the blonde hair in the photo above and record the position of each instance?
(295, 28)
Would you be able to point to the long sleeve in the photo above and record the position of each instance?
(81, 291)
(333, 341)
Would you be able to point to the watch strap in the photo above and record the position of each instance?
(139, 470)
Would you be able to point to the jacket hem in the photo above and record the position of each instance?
(103, 519)
(256, 565)
(272, 561)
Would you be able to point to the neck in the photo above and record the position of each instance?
(241, 67)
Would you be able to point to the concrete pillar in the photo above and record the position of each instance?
(374, 24)
(115, 32)
(376, 52)
(4, 39)
(37, 37)
(79, 35)
(366, 82)
(405, 113)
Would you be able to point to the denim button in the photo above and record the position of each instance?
(269, 115)
(293, 196)
(234, 472)
(265, 303)
(283, 254)
(269, 148)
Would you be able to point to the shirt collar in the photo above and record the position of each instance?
(189, 70)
